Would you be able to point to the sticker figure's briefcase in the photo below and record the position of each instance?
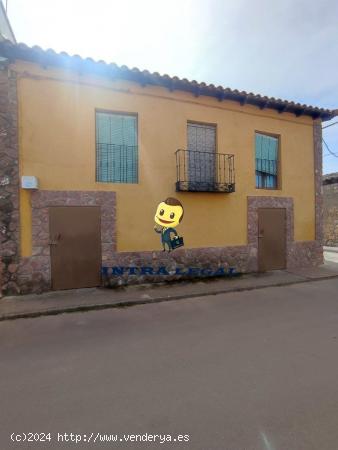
(176, 242)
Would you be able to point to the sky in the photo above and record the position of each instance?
(286, 49)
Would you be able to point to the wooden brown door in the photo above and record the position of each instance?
(75, 246)
(271, 239)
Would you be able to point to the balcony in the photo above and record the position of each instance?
(204, 171)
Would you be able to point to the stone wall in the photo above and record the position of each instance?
(176, 264)
(34, 273)
(331, 213)
(318, 169)
(9, 182)
(305, 254)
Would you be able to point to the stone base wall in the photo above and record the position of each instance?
(34, 273)
(206, 260)
(305, 254)
(331, 214)
(182, 263)
(331, 227)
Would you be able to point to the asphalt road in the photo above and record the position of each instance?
(252, 370)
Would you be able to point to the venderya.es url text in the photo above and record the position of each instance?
(97, 438)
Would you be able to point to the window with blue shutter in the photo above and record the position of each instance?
(267, 166)
(116, 148)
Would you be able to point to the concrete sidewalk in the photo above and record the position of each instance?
(58, 302)
(331, 254)
(330, 249)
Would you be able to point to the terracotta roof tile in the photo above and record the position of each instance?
(51, 58)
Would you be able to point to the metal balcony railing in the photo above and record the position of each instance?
(204, 171)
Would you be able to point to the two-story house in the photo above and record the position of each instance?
(89, 150)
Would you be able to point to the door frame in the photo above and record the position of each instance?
(41, 200)
(256, 202)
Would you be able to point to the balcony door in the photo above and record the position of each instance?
(201, 155)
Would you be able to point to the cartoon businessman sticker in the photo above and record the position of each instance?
(168, 215)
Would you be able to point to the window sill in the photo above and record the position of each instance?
(268, 189)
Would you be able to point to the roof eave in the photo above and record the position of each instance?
(51, 58)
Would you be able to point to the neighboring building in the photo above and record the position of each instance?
(330, 202)
(107, 144)
(6, 32)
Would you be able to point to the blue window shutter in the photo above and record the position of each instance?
(102, 153)
(130, 143)
(117, 152)
(266, 148)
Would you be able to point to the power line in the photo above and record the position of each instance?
(331, 125)
(330, 151)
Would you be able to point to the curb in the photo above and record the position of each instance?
(129, 303)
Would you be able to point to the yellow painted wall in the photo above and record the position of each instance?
(57, 144)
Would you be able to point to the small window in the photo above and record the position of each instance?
(267, 164)
(116, 148)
